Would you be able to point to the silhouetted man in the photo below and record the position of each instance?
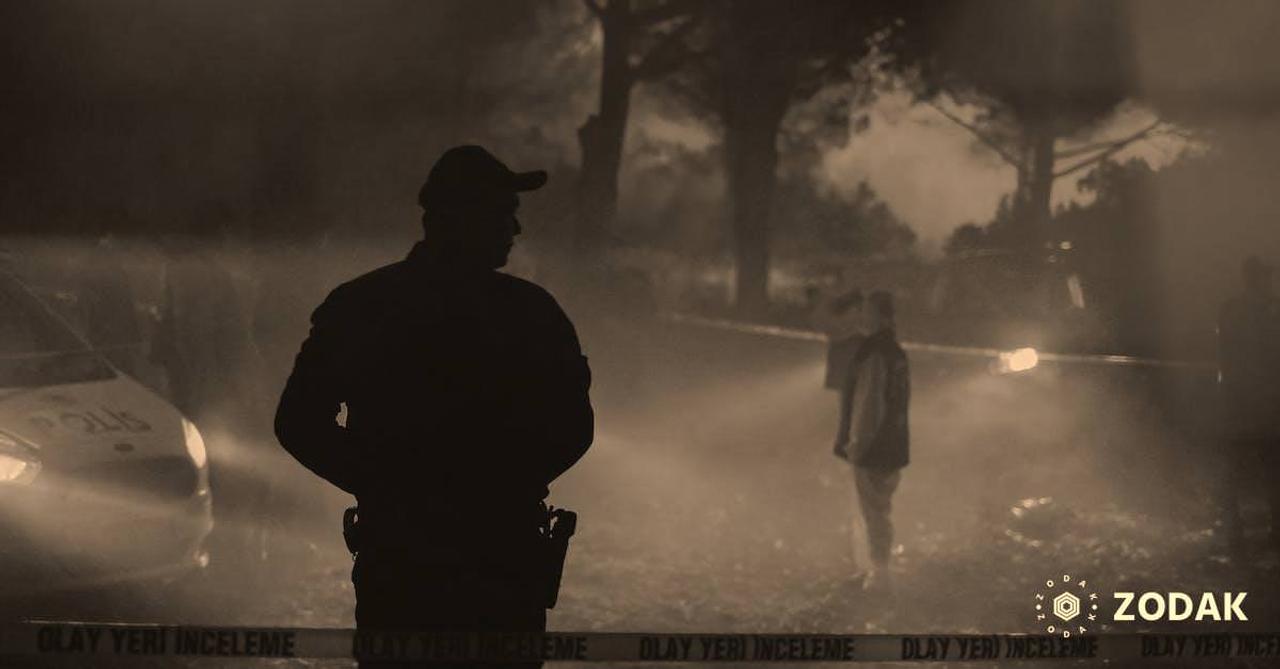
(1249, 359)
(875, 438)
(466, 395)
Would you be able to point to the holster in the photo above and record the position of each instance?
(557, 528)
(351, 529)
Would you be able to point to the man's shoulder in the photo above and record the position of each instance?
(523, 287)
(878, 345)
(377, 278)
(536, 310)
(360, 291)
(524, 292)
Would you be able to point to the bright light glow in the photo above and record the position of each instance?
(195, 444)
(18, 462)
(1022, 359)
(17, 470)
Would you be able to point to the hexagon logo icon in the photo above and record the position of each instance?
(1073, 611)
(1066, 606)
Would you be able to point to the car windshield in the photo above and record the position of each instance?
(37, 349)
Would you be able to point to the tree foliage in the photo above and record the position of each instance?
(640, 41)
(760, 59)
(1035, 71)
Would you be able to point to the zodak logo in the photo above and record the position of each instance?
(1066, 606)
(1153, 606)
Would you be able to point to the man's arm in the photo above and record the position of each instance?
(846, 413)
(306, 419)
(562, 415)
(868, 405)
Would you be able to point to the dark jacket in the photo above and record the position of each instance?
(466, 395)
(878, 406)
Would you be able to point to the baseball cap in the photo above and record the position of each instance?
(469, 174)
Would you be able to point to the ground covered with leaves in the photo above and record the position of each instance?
(711, 502)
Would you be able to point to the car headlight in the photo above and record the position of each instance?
(195, 444)
(1018, 360)
(19, 463)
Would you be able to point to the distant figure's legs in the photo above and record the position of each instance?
(859, 543)
(875, 494)
(1233, 479)
(1248, 461)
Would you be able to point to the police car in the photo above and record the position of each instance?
(101, 480)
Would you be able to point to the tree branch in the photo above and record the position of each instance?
(982, 137)
(1081, 150)
(1112, 149)
(1098, 146)
(667, 54)
(665, 12)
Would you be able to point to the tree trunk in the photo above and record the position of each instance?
(601, 137)
(1040, 190)
(1032, 199)
(752, 115)
(752, 156)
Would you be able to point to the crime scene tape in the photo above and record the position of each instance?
(810, 335)
(49, 640)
